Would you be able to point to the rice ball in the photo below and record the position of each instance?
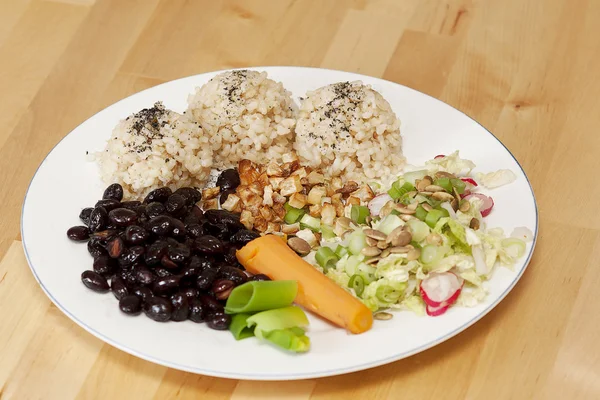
(246, 115)
(349, 130)
(156, 147)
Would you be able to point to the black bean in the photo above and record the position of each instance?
(220, 231)
(175, 204)
(190, 293)
(135, 234)
(115, 247)
(181, 307)
(195, 230)
(161, 195)
(260, 277)
(158, 309)
(224, 195)
(191, 219)
(104, 265)
(94, 281)
(162, 272)
(230, 256)
(131, 256)
(179, 254)
(161, 225)
(199, 263)
(78, 233)
(143, 274)
(143, 293)
(211, 304)
(208, 245)
(228, 179)
(222, 288)
(178, 228)
(122, 217)
(222, 216)
(155, 252)
(128, 278)
(95, 247)
(243, 237)
(206, 278)
(154, 209)
(108, 204)
(196, 211)
(118, 287)
(233, 274)
(131, 304)
(166, 262)
(133, 205)
(98, 219)
(166, 285)
(114, 191)
(219, 321)
(197, 311)
(84, 215)
(190, 195)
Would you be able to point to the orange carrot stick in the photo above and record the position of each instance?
(271, 256)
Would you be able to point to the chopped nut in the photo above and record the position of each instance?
(210, 193)
(328, 214)
(274, 169)
(304, 182)
(315, 178)
(316, 194)
(364, 194)
(290, 229)
(275, 182)
(261, 181)
(248, 172)
(290, 186)
(301, 172)
(247, 219)
(299, 245)
(315, 210)
(210, 204)
(260, 224)
(342, 225)
(309, 236)
(336, 183)
(279, 199)
(249, 198)
(382, 316)
(278, 212)
(371, 251)
(348, 188)
(268, 196)
(266, 213)
(318, 236)
(273, 227)
(353, 201)
(232, 203)
(297, 200)
(336, 201)
(474, 224)
(290, 167)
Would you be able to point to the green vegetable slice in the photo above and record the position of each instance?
(341, 251)
(359, 214)
(459, 185)
(292, 214)
(326, 258)
(357, 283)
(312, 223)
(239, 326)
(256, 296)
(445, 183)
(389, 294)
(292, 339)
(420, 213)
(432, 217)
(282, 327)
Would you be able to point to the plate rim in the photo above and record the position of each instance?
(295, 376)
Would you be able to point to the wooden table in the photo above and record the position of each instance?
(527, 70)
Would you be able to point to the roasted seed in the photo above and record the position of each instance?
(399, 237)
(423, 183)
(382, 316)
(444, 174)
(404, 210)
(413, 206)
(426, 207)
(373, 260)
(434, 238)
(385, 253)
(375, 234)
(368, 220)
(344, 222)
(371, 251)
(413, 254)
(474, 224)
(299, 245)
(370, 241)
(464, 206)
(454, 204)
(426, 193)
(434, 188)
(442, 196)
(382, 244)
(406, 217)
(399, 250)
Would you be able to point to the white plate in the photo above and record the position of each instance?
(65, 182)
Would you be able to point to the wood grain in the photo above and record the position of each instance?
(526, 69)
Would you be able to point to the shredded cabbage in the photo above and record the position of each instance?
(451, 163)
(496, 179)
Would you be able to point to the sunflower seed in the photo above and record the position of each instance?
(371, 251)
(434, 188)
(426, 193)
(454, 204)
(382, 245)
(370, 241)
(385, 253)
(373, 260)
(474, 224)
(403, 210)
(442, 196)
(399, 237)
(444, 174)
(413, 206)
(464, 206)
(434, 238)
(426, 207)
(406, 217)
(299, 245)
(413, 254)
(375, 234)
(382, 316)
(399, 250)
(423, 183)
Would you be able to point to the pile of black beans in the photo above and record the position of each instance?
(164, 255)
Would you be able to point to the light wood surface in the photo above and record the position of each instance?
(526, 69)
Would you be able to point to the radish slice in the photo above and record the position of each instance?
(479, 257)
(377, 203)
(435, 311)
(469, 181)
(441, 289)
(439, 156)
(488, 203)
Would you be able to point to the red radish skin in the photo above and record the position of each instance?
(436, 311)
(488, 203)
(470, 181)
(377, 203)
(433, 299)
(439, 156)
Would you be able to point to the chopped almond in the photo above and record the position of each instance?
(210, 204)
(248, 172)
(257, 188)
(266, 213)
(315, 178)
(348, 188)
(342, 225)
(316, 194)
(328, 214)
(315, 210)
(268, 196)
(248, 196)
(263, 180)
(290, 167)
(289, 157)
(304, 182)
(301, 172)
(275, 182)
(290, 229)
(274, 169)
(336, 201)
(336, 183)
(365, 194)
(233, 203)
(278, 212)
(279, 199)
(247, 219)
(353, 200)
(260, 224)
(210, 193)
(290, 186)
(309, 236)
(297, 200)
(273, 227)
